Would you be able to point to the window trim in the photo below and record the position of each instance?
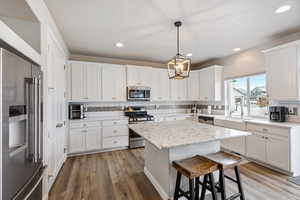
(227, 101)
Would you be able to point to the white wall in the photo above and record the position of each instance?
(248, 62)
(28, 30)
(115, 61)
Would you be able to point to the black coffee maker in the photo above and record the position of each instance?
(278, 113)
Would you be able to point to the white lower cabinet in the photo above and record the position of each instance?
(256, 147)
(93, 139)
(277, 150)
(77, 140)
(115, 135)
(97, 135)
(85, 139)
(270, 145)
(114, 142)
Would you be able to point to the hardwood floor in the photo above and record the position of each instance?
(119, 176)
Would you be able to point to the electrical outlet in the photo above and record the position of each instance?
(293, 111)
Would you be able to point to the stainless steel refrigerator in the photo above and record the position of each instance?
(22, 146)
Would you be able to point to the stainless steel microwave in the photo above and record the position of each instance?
(138, 93)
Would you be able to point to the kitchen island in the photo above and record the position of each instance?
(176, 140)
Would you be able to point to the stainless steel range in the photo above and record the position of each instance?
(137, 115)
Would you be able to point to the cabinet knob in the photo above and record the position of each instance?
(115, 142)
(115, 123)
(265, 130)
(115, 131)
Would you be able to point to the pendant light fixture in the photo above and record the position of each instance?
(179, 66)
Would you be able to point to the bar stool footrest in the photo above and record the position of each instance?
(234, 196)
(183, 193)
(229, 178)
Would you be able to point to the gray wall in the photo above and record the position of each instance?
(247, 62)
(116, 61)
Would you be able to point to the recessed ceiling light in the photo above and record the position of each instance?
(119, 44)
(236, 49)
(283, 9)
(189, 55)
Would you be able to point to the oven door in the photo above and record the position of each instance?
(138, 94)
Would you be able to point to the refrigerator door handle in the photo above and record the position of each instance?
(35, 119)
(40, 141)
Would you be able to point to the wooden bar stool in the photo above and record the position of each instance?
(193, 168)
(228, 161)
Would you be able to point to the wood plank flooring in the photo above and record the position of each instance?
(119, 176)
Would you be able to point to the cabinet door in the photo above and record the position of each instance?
(165, 85)
(160, 90)
(77, 81)
(93, 138)
(237, 145)
(77, 140)
(205, 85)
(256, 146)
(175, 89)
(278, 152)
(146, 76)
(282, 72)
(93, 81)
(133, 76)
(193, 86)
(113, 83)
(183, 90)
(120, 83)
(178, 90)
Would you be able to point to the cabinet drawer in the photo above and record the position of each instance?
(268, 129)
(115, 131)
(230, 124)
(115, 122)
(84, 124)
(113, 142)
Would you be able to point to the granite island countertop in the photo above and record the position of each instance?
(172, 134)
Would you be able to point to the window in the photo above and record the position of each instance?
(247, 96)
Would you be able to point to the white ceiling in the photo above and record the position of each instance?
(211, 28)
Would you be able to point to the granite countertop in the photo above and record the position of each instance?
(277, 124)
(260, 121)
(183, 132)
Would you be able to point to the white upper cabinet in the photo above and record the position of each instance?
(211, 82)
(160, 90)
(282, 70)
(77, 81)
(139, 76)
(178, 90)
(193, 86)
(93, 81)
(85, 83)
(113, 82)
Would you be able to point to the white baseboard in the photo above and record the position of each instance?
(96, 151)
(156, 185)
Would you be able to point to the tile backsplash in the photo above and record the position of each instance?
(185, 106)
